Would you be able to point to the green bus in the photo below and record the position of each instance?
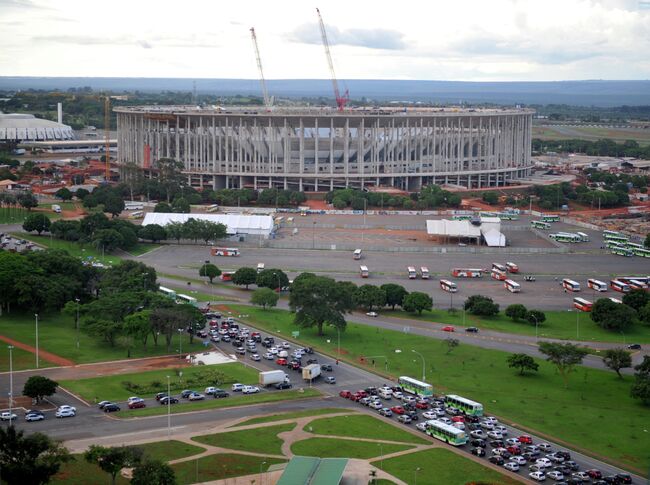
(644, 253)
(171, 294)
(471, 408)
(446, 432)
(614, 244)
(633, 246)
(507, 216)
(461, 218)
(622, 251)
(540, 225)
(413, 386)
(565, 237)
(550, 218)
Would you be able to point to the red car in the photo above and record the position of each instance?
(345, 394)
(458, 419)
(525, 439)
(354, 397)
(361, 394)
(595, 474)
(421, 405)
(448, 328)
(515, 450)
(281, 361)
(398, 409)
(137, 404)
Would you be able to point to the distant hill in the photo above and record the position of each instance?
(579, 93)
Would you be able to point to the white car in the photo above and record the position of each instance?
(555, 475)
(409, 400)
(501, 429)
(371, 314)
(273, 350)
(512, 466)
(555, 458)
(580, 476)
(131, 399)
(429, 415)
(65, 413)
(491, 419)
(498, 451)
(256, 357)
(34, 417)
(386, 390)
(445, 420)
(237, 387)
(495, 435)
(70, 408)
(250, 390)
(422, 426)
(519, 460)
(376, 405)
(545, 462)
(513, 442)
(8, 416)
(537, 476)
(487, 424)
(477, 433)
(285, 345)
(459, 425)
(545, 447)
(195, 396)
(210, 390)
(440, 412)
(268, 356)
(398, 394)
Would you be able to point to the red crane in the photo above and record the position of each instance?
(340, 100)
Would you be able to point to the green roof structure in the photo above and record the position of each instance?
(306, 470)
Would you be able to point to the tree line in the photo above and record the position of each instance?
(430, 197)
(604, 148)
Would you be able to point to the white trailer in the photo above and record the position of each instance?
(310, 372)
(272, 377)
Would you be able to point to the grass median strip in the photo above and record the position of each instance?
(296, 415)
(338, 448)
(361, 426)
(257, 440)
(220, 467)
(169, 450)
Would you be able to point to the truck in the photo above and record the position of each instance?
(411, 272)
(310, 372)
(56, 208)
(363, 271)
(424, 273)
(272, 377)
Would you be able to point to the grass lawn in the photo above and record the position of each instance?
(361, 426)
(336, 448)
(57, 335)
(558, 324)
(170, 450)
(249, 400)
(439, 466)
(221, 466)
(595, 413)
(21, 359)
(142, 248)
(297, 414)
(79, 472)
(74, 248)
(13, 215)
(111, 387)
(257, 440)
(66, 205)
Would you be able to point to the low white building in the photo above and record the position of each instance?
(235, 223)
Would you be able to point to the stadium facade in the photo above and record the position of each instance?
(322, 149)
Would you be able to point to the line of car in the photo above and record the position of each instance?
(63, 411)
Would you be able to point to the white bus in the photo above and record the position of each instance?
(570, 285)
(413, 386)
(583, 236)
(596, 284)
(582, 304)
(637, 285)
(412, 273)
(498, 266)
(424, 272)
(540, 225)
(136, 215)
(615, 300)
(167, 292)
(497, 274)
(620, 286)
(363, 271)
(214, 208)
(133, 206)
(449, 286)
(356, 254)
(465, 405)
(224, 251)
(446, 432)
(260, 267)
(190, 300)
(512, 267)
(512, 286)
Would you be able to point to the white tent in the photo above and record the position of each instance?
(235, 223)
(447, 228)
(494, 238)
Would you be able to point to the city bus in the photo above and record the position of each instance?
(413, 386)
(224, 251)
(619, 286)
(615, 300)
(540, 225)
(570, 285)
(637, 285)
(136, 215)
(356, 254)
(512, 268)
(424, 272)
(468, 407)
(411, 272)
(446, 432)
(582, 304)
(644, 253)
(632, 246)
(461, 218)
(550, 218)
(507, 216)
(363, 271)
(260, 267)
(167, 292)
(616, 237)
(226, 275)
(180, 298)
(215, 208)
(467, 273)
(512, 286)
(584, 237)
(133, 206)
(449, 286)
(614, 244)
(642, 279)
(498, 266)
(596, 284)
(607, 234)
(498, 275)
(565, 237)
(621, 251)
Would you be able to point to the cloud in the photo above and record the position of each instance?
(370, 38)
(127, 40)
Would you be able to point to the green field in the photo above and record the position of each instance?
(169, 450)
(336, 448)
(591, 133)
(283, 416)
(362, 426)
(13, 215)
(57, 335)
(221, 466)
(21, 359)
(257, 440)
(439, 466)
(110, 388)
(66, 205)
(80, 250)
(142, 248)
(613, 428)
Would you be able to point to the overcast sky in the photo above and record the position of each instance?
(482, 40)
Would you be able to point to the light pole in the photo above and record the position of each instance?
(11, 377)
(338, 344)
(36, 315)
(381, 454)
(76, 322)
(536, 325)
(169, 415)
(261, 465)
(424, 377)
(313, 235)
(180, 343)
(415, 482)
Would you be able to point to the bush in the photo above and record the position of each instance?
(535, 317)
(481, 305)
(516, 311)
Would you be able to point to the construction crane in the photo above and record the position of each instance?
(340, 100)
(107, 137)
(265, 93)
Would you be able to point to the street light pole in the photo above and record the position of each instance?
(76, 322)
(169, 415)
(180, 343)
(36, 315)
(415, 482)
(11, 377)
(261, 465)
(536, 333)
(424, 377)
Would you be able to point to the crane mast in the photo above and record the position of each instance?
(265, 93)
(340, 100)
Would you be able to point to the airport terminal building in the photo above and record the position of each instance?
(312, 149)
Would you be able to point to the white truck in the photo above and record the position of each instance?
(310, 372)
(56, 208)
(272, 377)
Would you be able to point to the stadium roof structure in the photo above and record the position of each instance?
(306, 470)
(17, 127)
(235, 223)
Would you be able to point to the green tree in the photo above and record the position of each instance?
(36, 222)
(641, 388)
(612, 316)
(244, 276)
(170, 176)
(129, 276)
(646, 243)
(153, 472)
(394, 294)
(369, 296)
(163, 207)
(481, 305)
(63, 193)
(516, 312)
(107, 240)
(114, 205)
(28, 200)
(29, 460)
(636, 299)
(38, 387)
(264, 297)
(209, 271)
(564, 356)
(272, 278)
(152, 232)
(491, 198)
(644, 314)
(536, 317)
(523, 362)
(107, 330)
(112, 460)
(208, 230)
(138, 326)
(417, 302)
(175, 230)
(181, 204)
(81, 194)
(617, 359)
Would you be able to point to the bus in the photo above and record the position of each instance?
(642, 279)
(507, 216)
(498, 275)
(412, 273)
(461, 218)
(167, 292)
(565, 237)
(512, 286)
(449, 286)
(616, 237)
(468, 407)
(180, 298)
(224, 251)
(446, 432)
(632, 246)
(621, 251)
(356, 254)
(467, 273)
(584, 237)
(610, 233)
(637, 285)
(512, 268)
(614, 244)
(133, 206)
(424, 272)
(570, 285)
(498, 266)
(363, 271)
(550, 218)
(215, 208)
(615, 300)
(644, 253)
(596, 284)
(226, 275)
(619, 286)
(260, 267)
(136, 215)
(540, 225)
(582, 304)
(413, 386)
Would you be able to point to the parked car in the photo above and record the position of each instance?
(477, 433)
(398, 410)
(404, 418)
(520, 460)
(111, 408)
(137, 404)
(35, 416)
(537, 476)
(512, 466)
(345, 394)
(237, 387)
(555, 475)
(7, 416)
(330, 380)
(186, 393)
(250, 390)
(326, 367)
(478, 451)
(386, 412)
(281, 361)
(497, 460)
(65, 413)
(168, 400)
(472, 329)
(283, 385)
(256, 357)
(195, 396)
(448, 328)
